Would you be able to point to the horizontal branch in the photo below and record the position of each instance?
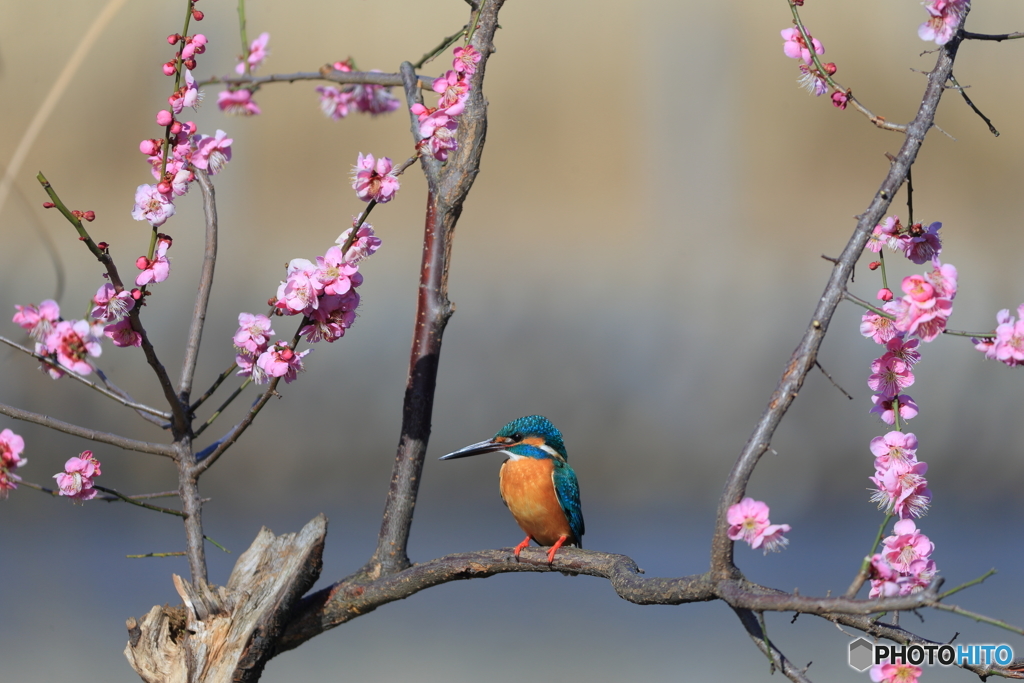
(359, 594)
(90, 434)
(325, 74)
(141, 407)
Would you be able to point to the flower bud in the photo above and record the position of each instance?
(173, 39)
(169, 68)
(89, 216)
(190, 63)
(164, 118)
(874, 265)
(163, 187)
(142, 263)
(197, 15)
(885, 294)
(830, 68)
(48, 205)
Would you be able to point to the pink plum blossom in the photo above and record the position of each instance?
(812, 81)
(11, 447)
(333, 316)
(374, 99)
(280, 361)
(253, 333)
(110, 306)
(76, 479)
(152, 206)
(796, 48)
(877, 327)
(237, 102)
(906, 545)
(157, 269)
(466, 59)
(212, 152)
(72, 342)
(895, 673)
(894, 449)
(748, 521)
(37, 320)
(334, 102)
(122, 334)
(919, 244)
(902, 491)
(452, 88)
(890, 376)
(257, 53)
(299, 292)
(373, 180)
(364, 246)
(943, 18)
(187, 95)
(885, 408)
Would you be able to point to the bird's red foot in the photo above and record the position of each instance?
(555, 547)
(519, 548)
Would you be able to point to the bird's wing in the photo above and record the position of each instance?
(567, 490)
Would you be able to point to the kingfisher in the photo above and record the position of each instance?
(536, 482)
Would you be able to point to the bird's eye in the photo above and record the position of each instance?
(516, 438)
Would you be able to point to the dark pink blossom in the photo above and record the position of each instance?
(122, 334)
(157, 269)
(748, 521)
(877, 327)
(364, 246)
(280, 361)
(885, 407)
(919, 244)
(466, 59)
(72, 342)
(890, 376)
(372, 179)
(300, 291)
(895, 673)
(333, 316)
(796, 48)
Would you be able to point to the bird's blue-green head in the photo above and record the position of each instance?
(532, 436)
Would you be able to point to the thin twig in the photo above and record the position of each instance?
(207, 458)
(998, 37)
(195, 333)
(134, 501)
(963, 93)
(326, 73)
(46, 360)
(90, 434)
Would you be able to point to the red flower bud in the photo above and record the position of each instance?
(197, 15)
(173, 39)
(89, 216)
(874, 265)
(48, 205)
(190, 64)
(142, 263)
(104, 246)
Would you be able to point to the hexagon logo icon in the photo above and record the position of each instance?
(860, 654)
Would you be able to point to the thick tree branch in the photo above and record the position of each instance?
(805, 355)
(448, 187)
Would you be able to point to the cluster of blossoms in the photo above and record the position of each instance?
(368, 99)
(173, 158)
(11, 446)
(69, 343)
(323, 292)
(438, 124)
(811, 78)
(943, 18)
(75, 481)
(748, 521)
(111, 309)
(372, 179)
(1007, 345)
(904, 565)
(900, 487)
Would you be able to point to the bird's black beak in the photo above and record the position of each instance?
(489, 446)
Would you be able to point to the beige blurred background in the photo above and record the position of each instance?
(636, 261)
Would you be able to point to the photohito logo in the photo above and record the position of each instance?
(862, 654)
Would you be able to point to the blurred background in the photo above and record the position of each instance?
(636, 261)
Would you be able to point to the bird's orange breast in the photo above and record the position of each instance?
(529, 491)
